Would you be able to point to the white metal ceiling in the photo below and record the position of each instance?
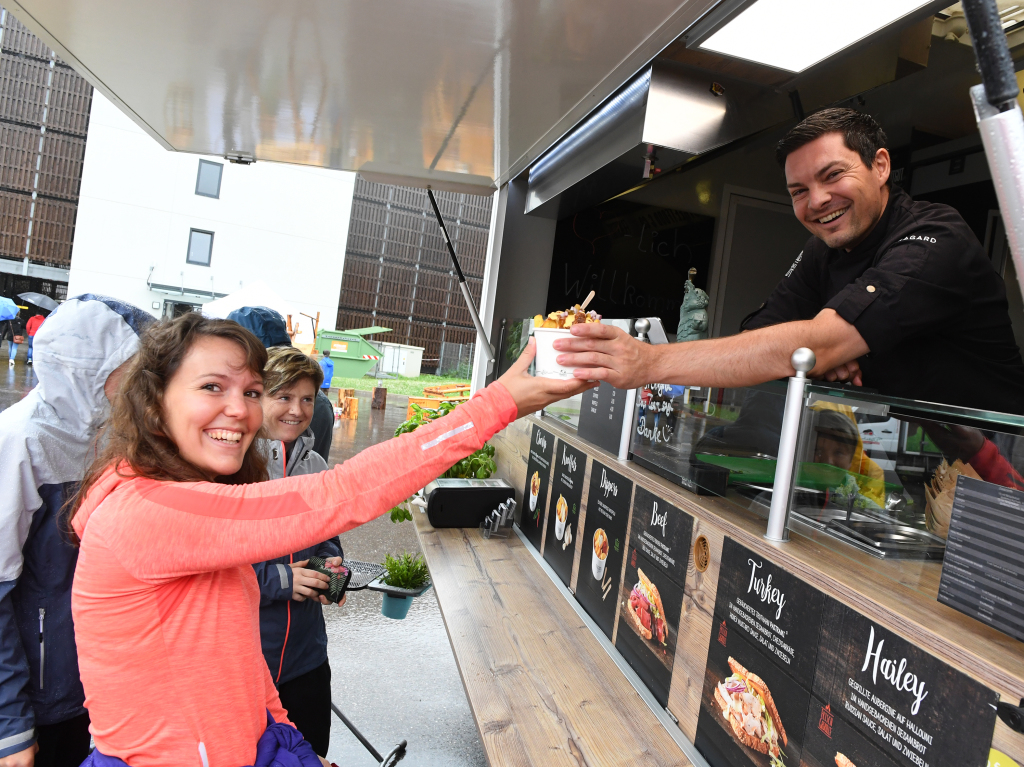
(458, 90)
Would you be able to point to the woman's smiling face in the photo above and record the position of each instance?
(288, 412)
(211, 406)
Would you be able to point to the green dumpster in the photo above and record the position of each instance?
(351, 354)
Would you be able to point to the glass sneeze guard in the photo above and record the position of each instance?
(875, 476)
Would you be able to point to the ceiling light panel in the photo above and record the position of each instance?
(796, 34)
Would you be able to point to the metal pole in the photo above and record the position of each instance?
(802, 361)
(359, 736)
(488, 349)
(999, 120)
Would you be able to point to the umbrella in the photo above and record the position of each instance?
(8, 309)
(43, 302)
(253, 294)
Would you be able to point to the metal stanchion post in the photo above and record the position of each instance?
(999, 119)
(802, 361)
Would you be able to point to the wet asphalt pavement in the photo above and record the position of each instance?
(393, 679)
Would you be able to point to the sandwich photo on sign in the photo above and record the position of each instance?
(751, 712)
(650, 605)
(747, 705)
(651, 597)
(646, 611)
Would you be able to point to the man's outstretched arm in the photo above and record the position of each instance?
(606, 353)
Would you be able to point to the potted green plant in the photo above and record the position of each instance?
(405, 576)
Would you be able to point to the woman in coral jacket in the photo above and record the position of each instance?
(165, 600)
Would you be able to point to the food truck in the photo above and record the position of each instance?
(880, 619)
(764, 646)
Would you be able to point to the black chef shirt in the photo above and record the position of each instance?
(924, 296)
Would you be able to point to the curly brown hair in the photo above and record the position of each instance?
(136, 442)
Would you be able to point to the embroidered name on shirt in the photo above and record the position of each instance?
(920, 237)
(799, 258)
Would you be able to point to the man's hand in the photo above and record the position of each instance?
(24, 758)
(848, 372)
(531, 393)
(305, 583)
(606, 353)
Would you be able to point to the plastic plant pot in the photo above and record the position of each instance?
(396, 607)
(397, 601)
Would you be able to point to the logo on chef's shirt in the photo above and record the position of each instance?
(920, 237)
(799, 258)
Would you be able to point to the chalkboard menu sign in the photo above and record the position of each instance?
(656, 419)
(794, 677)
(651, 597)
(564, 509)
(604, 544)
(981, 572)
(602, 415)
(538, 473)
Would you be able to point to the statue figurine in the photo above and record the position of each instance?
(693, 314)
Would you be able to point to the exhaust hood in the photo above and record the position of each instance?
(666, 115)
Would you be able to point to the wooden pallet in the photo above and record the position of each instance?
(431, 403)
(447, 391)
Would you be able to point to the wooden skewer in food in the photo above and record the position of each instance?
(583, 306)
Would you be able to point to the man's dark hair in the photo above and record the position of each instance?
(860, 132)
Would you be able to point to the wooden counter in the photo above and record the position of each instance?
(542, 688)
(899, 595)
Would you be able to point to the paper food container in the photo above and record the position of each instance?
(546, 353)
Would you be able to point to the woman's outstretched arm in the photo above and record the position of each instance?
(164, 530)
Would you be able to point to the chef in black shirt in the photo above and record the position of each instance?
(889, 293)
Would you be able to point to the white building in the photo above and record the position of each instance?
(168, 231)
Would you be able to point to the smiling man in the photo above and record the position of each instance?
(889, 293)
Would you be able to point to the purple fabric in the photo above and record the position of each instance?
(280, 745)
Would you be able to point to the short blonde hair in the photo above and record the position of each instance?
(286, 366)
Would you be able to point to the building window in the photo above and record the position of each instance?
(200, 246)
(208, 180)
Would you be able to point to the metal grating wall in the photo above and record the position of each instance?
(44, 119)
(398, 272)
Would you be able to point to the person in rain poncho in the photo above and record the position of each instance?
(46, 443)
(839, 443)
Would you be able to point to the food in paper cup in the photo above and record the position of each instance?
(600, 557)
(574, 315)
(556, 325)
(561, 514)
(534, 490)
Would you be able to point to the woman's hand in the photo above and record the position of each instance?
(306, 583)
(532, 393)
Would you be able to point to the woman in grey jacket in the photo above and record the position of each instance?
(292, 629)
